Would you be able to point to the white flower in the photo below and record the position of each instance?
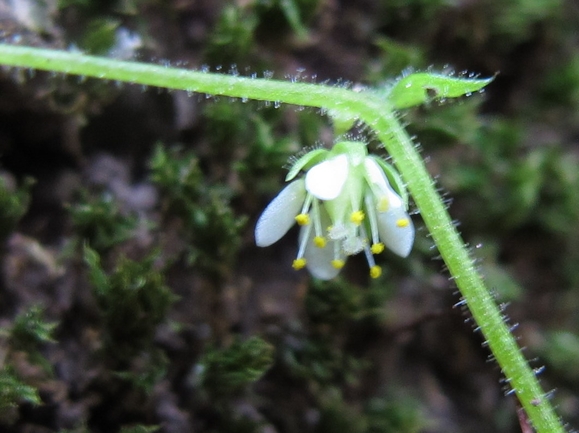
(344, 205)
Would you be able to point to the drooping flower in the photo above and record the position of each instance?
(345, 204)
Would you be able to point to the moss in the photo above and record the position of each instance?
(133, 299)
(13, 392)
(99, 222)
(212, 229)
(13, 205)
(224, 373)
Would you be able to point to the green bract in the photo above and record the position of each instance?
(414, 89)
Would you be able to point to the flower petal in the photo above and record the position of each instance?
(394, 179)
(279, 216)
(326, 180)
(379, 184)
(319, 260)
(396, 230)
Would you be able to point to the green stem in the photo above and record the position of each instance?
(379, 115)
(480, 302)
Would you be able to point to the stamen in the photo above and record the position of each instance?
(299, 263)
(338, 263)
(357, 217)
(375, 271)
(317, 220)
(307, 203)
(319, 241)
(373, 222)
(303, 219)
(304, 236)
(377, 248)
(402, 222)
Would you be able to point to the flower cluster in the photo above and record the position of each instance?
(345, 204)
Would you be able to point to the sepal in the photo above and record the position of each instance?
(304, 162)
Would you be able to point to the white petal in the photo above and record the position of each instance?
(279, 216)
(326, 179)
(374, 173)
(378, 181)
(396, 230)
(319, 260)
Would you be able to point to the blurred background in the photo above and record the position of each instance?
(132, 295)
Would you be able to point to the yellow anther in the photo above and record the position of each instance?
(383, 204)
(338, 264)
(357, 217)
(303, 219)
(377, 248)
(375, 271)
(402, 222)
(319, 242)
(299, 264)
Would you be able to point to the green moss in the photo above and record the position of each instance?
(139, 428)
(232, 39)
(334, 303)
(393, 59)
(13, 205)
(224, 373)
(277, 15)
(396, 414)
(133, 300)
(99, 222)
(560, 349)
(29, 333)
(247, 138)
(319, 360)
(393, 414)
(100, 35)
(560, 87)
(13, 392)
(212, 229)
(514, 19)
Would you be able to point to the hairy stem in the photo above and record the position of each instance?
(379, 115)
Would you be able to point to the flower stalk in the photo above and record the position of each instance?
(377, 111)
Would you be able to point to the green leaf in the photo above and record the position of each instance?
(421, 87)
